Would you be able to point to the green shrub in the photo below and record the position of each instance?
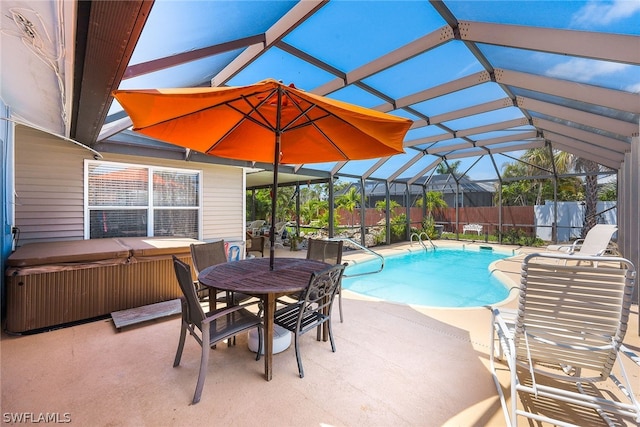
(398, 227)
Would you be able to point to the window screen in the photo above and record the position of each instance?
(137, 201)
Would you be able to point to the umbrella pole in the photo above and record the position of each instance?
(276, 162)
(272, 230)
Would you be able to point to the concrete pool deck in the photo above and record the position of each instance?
(395, 365)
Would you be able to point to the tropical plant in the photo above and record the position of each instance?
(313, 209)
(398, 227)
(538, 163)
(452, 168)
(381, 206)
(285, 205)
(608, 191)
(434, 201)
(349, 201)
(261, 203)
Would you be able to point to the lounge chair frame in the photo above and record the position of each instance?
(569, 326)
(595, 243)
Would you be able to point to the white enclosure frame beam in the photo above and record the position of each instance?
(603, 46)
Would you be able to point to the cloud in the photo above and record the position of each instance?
(584, 70)
(604, 13)
(635, 88)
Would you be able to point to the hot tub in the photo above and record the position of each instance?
(56, 283)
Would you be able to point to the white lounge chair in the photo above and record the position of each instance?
(254, 226)
(595, 242)
(566, 333)
(279, 228)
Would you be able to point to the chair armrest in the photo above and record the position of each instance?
(630, 354)
(211, 316)
(501, 323)
(575, 246)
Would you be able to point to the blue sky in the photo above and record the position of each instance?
(349, 34)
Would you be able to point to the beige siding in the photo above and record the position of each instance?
(49, 187)
(223, 197)
(50, 190)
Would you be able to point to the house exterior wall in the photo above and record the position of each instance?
(49, 184)
(6, 185)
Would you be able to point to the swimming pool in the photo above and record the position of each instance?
(441, 278)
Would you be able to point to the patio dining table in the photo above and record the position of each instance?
(254, 277)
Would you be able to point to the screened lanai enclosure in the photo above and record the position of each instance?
(514, 104)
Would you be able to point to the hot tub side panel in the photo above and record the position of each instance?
(49, 295)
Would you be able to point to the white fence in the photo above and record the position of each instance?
(570, 219)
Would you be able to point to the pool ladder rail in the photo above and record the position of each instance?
(359, 246)
(419, 237)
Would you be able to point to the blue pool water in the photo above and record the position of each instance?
(440, 278)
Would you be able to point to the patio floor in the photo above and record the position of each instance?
(395, 365)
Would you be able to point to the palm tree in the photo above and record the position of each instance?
(591, 168)
(540, 158)
(443, 169)
(312, 209)
(434, 201)
(537, 162)
(349, 201)
(516, 193)
(381, 205)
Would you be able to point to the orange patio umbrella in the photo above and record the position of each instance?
(264, 122)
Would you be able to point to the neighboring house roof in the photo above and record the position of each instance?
(441, 183)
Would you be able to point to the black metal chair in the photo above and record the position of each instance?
(329, 251)
(208, 329)
(313, 308)
(205, 255)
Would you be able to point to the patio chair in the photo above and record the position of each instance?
(313, 308)
(207, 254)
(281, 233)
(564, 339)
(329, 251)
(255, 243)
(254, 226)
(594, 243)
(209, 328)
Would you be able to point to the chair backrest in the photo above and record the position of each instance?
(329, 251)
(318, 295)
(207, 254)
(597, 239)
(255, 225)
(194, 315)
(573, 315)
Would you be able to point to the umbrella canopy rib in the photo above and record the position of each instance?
(266, 122)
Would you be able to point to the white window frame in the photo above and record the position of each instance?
(150, 206)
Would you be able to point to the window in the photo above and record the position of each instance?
(124, 200)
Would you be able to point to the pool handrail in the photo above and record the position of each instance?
(353, 242)
(419, 236)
